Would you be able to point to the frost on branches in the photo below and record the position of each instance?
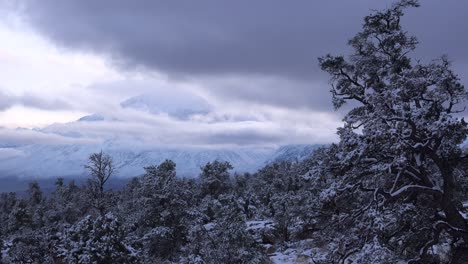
(100, 240)
(398, 158)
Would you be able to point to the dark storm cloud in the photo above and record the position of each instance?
(242, 38)
(199, 37)
(277, 91)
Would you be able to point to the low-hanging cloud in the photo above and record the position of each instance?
(266, 126)
(20, 137)
(32, 101)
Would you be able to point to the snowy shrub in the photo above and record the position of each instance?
(100, 240)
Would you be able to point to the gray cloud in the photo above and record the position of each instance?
(33, 101)
(269, 47)
(268, 90)
(247, 39)
(196, 38)
(208, 37)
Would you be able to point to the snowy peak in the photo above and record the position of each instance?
(91, 118)
(180, 107)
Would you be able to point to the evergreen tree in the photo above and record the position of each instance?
(215, 178)
(100, 240)
(399, 148)
(226, 240)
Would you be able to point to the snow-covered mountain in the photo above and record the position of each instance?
(68, 160)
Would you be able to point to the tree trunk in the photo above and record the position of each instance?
(460, 256)
(454, 218)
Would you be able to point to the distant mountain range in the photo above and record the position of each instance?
(45, 161)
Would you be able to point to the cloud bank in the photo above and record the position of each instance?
(254, 64)
(33, 101)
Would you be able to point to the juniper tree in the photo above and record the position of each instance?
(215, 178)
(401, 143)
(100, 240)
(225, 240)
(163, 203)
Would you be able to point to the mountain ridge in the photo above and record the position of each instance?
(45, 161)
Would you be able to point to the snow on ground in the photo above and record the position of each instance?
(296, 256)
(259, 224)
(284, 257)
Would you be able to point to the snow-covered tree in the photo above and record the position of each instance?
(215, 178)
(100, 240)
(225, 240)
(7, 203)
(66, 204)
(163, 217)
(29, 248)
(399, 147)
(35, 193)
(20, 217)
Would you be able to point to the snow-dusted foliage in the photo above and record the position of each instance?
(28, 248)
(226, 240)
(163, 214)
(398, 158)
(100, 240)
(392, 190)
(215, 178)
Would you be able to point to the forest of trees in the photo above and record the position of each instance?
(390, 191)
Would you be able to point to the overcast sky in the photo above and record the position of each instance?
(250, 65)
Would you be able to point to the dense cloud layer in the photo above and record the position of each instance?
(255, 63)
(160, 116)
(248, 40)
(206, 37)
(257, 126)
